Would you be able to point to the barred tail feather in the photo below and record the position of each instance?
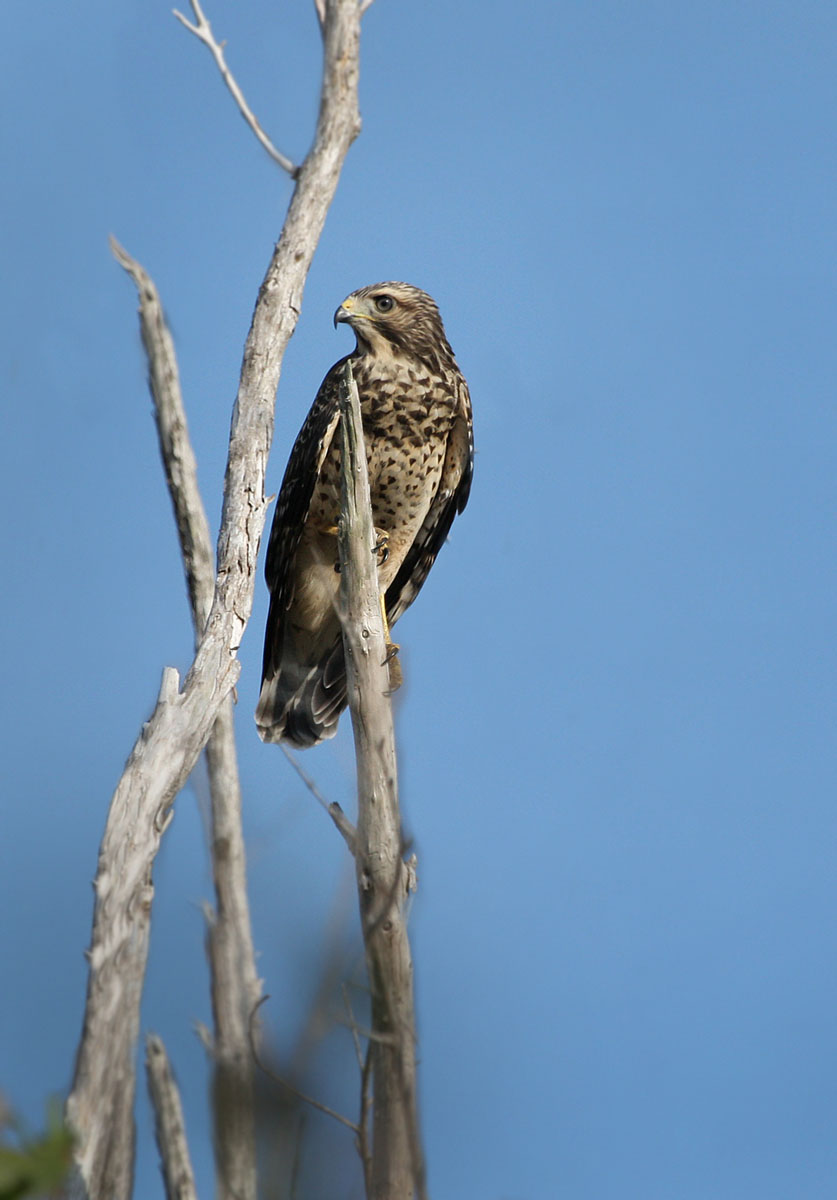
(301, 704)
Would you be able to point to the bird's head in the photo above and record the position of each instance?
(396, 318)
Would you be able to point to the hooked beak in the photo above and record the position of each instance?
(344, 312)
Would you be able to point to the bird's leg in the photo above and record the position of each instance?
(381, 548)
(332, 531)
(392, 647)
(396, 675)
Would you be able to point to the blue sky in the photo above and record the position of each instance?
(617, 732)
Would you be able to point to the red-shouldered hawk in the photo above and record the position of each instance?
(418, 432)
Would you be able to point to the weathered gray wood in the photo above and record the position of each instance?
(234, 981)
(169, 1126)
(175, 445)
(172, 739)
(396, 1171)
(203, 32)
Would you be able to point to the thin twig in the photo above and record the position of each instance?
(364, 1062)
(203, 32)
(347, 1004)
(371, 1035)
(333, 809)
(365, 1108)
(323, 1108)
(169, 1125)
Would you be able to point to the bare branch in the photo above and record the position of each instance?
(364, 1062)
(234, 980)
(364, 5)
(104, 1066)
(397, 1169)
(203, 32)
(365, 1106)
(175, 446)
(384, 1039)
(347, 1004)
(323, 1108)
(333, 809)
(180, 725)
(319, 5)
(168, 1122)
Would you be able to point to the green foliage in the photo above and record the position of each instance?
(33, 1165)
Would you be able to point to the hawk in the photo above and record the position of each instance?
(417, 427)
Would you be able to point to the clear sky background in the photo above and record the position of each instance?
(617, 734)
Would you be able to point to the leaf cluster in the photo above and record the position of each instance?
(34, 1165)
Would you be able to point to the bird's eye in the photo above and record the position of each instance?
(384, 303)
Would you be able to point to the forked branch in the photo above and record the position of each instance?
(100, 1105)
(203, 32)
(234, 980)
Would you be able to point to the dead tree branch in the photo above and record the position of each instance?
(334, 810)
(397, 1169)
(234, 980)
(284, 1083)
(175, 446)
(100, 1105)
(364, 1064)
(203, 32)
(169, 1126)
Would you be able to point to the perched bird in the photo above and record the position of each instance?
(417, 427)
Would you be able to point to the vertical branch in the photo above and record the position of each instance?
(234, 980)
(169, 1126)
(100, 1107)
(100, 1104)
(397, 1170)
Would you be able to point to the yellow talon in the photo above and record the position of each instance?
(396, 675)
(382, 601)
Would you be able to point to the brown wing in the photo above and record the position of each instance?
(450, 499)
(292, 507)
